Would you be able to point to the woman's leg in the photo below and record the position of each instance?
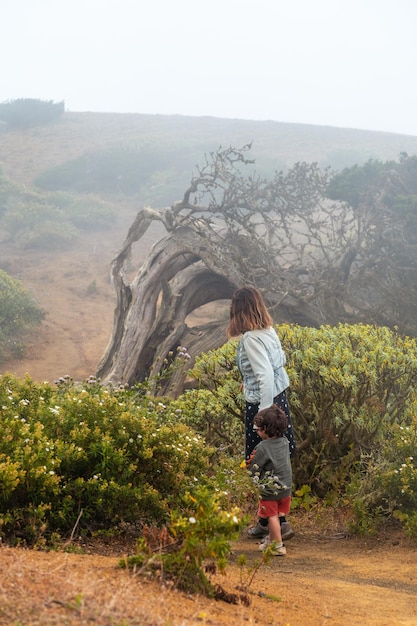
(251, 436)
(251, 440)
(281, 400)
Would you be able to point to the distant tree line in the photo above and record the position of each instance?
(29, 112)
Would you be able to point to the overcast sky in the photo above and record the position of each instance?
(346, 63)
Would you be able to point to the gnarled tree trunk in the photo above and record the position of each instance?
(315, 263)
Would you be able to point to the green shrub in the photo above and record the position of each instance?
(19, 315)
(84, 212)
(352, 388)
(51, 235)
(35, 219)
(349, 386)
(119, 169)
(216, 408)
(6, 190)
(157, 172)
(388, 486)
(86, 449)
(28, 112)
(199, 531)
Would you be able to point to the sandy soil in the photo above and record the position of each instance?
(73, 287)
(323, 581)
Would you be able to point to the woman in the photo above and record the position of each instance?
(261, 363)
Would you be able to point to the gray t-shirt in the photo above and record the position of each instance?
(270, 467)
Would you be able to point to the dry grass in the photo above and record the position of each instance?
(326, 578)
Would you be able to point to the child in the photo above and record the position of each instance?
(270, 467)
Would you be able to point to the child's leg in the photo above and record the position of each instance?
(274, 529)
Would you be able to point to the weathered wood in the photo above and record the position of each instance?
(168, 287)
(315, 262)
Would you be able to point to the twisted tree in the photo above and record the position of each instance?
(313, 259)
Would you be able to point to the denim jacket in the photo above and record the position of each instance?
(261, 360)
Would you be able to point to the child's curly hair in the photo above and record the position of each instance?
(272, 420)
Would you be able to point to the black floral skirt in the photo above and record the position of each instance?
(251, 436)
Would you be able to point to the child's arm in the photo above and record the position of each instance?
(256, 461)
(250, 459)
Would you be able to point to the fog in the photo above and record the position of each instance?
(349, 63)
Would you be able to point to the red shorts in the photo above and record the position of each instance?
(269, 508)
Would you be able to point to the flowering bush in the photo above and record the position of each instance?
(71, 449)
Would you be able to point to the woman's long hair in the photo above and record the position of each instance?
(247, 312)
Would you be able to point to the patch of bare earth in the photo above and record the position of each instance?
(72, 285)
(324, 580)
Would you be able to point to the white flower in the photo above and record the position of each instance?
(192, 520)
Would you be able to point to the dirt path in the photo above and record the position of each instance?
(321, 582)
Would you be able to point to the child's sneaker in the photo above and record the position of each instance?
(278, 549)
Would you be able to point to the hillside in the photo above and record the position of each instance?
(25, 154)
(72, 284)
